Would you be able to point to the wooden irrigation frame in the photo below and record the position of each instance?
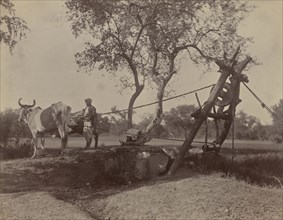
(229, 68)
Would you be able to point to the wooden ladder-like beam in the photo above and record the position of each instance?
(227, 68)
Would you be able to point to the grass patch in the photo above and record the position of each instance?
(16, 148)
(259, 169)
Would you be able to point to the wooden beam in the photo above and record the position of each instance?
(227, 68)
(205, 110)
(197, 115)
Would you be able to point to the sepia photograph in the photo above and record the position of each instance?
(141, 109)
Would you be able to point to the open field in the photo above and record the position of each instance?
(79, 142)
(60, 187)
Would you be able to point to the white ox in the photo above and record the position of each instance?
(41, 121)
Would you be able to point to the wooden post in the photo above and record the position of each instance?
(226, 69)
(207, 107)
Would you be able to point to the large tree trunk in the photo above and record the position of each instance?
(158, 113)
(161, 83)
(138, 91)
(146, 134)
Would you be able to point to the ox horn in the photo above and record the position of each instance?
(20, 102)
(32, 104)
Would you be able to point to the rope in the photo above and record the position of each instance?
(182, 140)
(260, 101)
(164, 100)
(233, 135)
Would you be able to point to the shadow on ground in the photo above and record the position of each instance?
(67, 179)
(70, 180)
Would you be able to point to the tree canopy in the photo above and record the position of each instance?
(179, 118)
(12, 28)
(248, 127)
(277, 128)
(10, 127)
(116, 28)
(145, 37)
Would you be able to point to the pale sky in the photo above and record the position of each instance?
(43, 67)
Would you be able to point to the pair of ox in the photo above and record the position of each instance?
(54, 119)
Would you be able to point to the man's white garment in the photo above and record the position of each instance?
(86, 111)
(87, 124)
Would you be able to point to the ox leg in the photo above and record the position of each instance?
(96, 139)
(34, 145)
(64, 141)
(88, 134)
(64, 138)
(63, 131)
(42, 143)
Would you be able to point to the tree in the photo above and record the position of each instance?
(205, 29)
(104, 124)
(12, 28)
(277, 127)
(159, 131)
(146, 119)
(247, 127)
(179, 118)
(10, 127)
(118, 121)
(148, 37)
(117, 28)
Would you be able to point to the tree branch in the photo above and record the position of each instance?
(136, 42)
(204, 34)
(209, 58)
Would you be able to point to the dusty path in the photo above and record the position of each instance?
(38, 206)
(28, 192)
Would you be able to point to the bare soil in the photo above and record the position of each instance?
(58, 187)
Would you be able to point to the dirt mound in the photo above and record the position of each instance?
(199, 197)
(31, 186)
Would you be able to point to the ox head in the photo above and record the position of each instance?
(25, 109)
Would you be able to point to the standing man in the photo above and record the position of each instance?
(90, 119)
